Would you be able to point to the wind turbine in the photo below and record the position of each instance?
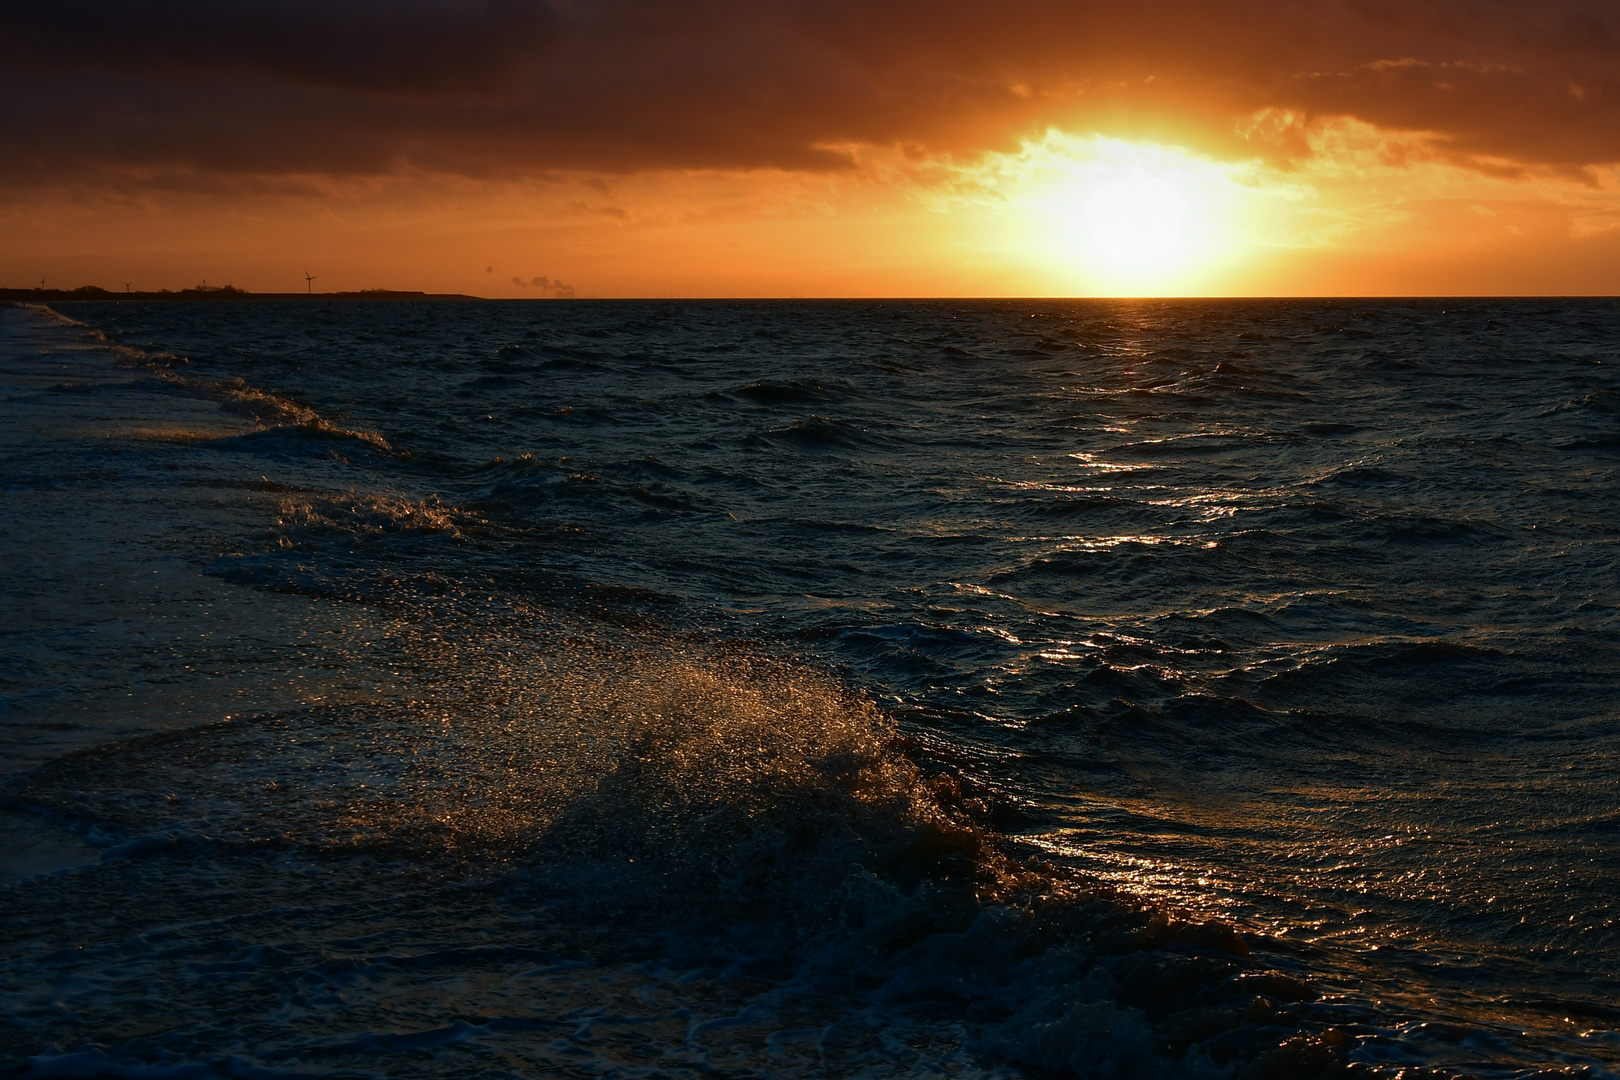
(309, 282)
(127, 284)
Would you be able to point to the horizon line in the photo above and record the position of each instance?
(95, 294)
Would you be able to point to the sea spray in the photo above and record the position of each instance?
(663, 803)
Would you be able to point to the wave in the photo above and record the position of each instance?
(349, 546)
(796, 391)
(1360, 475)
(360, 518)
(1397, 655)
(1603, 401)
(316, 438)
(509, 359)
(816, 435)
(287, 428)
(1197, 444)
(661, 804)
(1116, 558)
(484, 384)
(527, 483)
(1095, 506)
(1368, 677)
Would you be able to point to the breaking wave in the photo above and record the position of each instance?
(658, 804)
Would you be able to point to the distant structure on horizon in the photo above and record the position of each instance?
(309, 282)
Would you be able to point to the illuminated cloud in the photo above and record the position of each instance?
(508, 87)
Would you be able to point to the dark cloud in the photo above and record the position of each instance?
(493, 87)
(403, 46)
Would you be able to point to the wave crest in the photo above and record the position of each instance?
(668, 801)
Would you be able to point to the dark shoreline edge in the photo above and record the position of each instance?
(102, 296)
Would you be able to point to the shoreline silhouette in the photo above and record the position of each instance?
(93, 293)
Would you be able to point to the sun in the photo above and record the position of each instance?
(1106, 217)
(1135, 221)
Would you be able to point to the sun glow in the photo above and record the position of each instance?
(1144, 219)
(1113, 218)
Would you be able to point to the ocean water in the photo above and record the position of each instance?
(979, 689)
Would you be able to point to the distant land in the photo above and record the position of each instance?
(215, 292)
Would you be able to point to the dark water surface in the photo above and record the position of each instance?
(946, 688)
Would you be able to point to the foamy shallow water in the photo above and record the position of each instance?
(812, 689)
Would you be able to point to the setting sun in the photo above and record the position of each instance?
(1110, 217)
(1134, 221)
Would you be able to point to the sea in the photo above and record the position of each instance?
(984, 689)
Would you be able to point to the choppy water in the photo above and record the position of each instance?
(998, 688)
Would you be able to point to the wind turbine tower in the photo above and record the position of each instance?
(309, 282)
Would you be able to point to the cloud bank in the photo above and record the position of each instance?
(492, 88)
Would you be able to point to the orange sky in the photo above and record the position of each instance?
(819, 148)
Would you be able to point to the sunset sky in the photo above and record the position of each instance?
(813, 148)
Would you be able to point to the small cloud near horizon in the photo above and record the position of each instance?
(556, 289)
